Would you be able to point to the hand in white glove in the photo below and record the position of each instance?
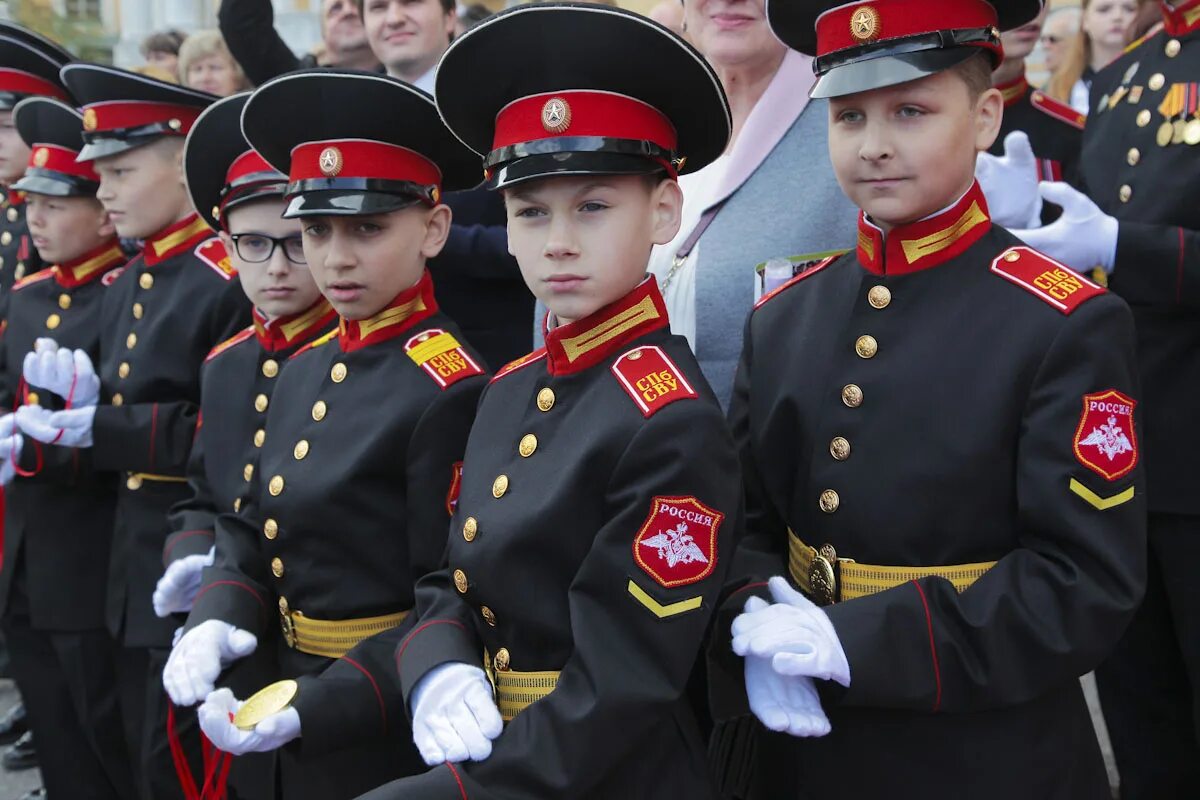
(67, 373)
(198, 658)
(783, 704)
(177, 588)
(71, 428)
(11, 443)
(454, 714)
(1010, 183)
(216, 720)
(1083, 238)
(795, 634)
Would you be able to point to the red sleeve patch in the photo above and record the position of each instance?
(651, 379)
(441, 356)
(212, 252)
(1057, 109)
(677, 543)
(1106, 441)
(1042, 276)
(455, 488)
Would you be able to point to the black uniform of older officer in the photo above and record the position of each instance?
(941, 442)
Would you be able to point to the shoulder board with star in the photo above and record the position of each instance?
(441, 357)
(1057, 109)
(523, 361)
(315, 343)
(237, 338)
(651, 379)
(212, 252)
(1056, 284)
(808, 273)
(36, 277)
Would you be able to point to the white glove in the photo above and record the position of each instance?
(1083, 238)
(795, 634)
(454, 714)
(1010, 183)
(70, 428)
(198, 658)
(65, 372)
(216, 720)
(783, 704)
(177, 588)
(11, 443)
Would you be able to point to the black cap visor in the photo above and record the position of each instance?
(345, 202)
(10, 99)
(104, 145)
(55, 184)
(888, 69)
(245, 193)
(559, 165)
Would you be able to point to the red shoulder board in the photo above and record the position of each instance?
(651, 379)
(320, 340)
(455, 487)
(237, 338)
(677, 544)
(1042, 276)
(212, 252)
(808, 273)
(1057, 109)
(523, 361)
(40, 275)
(109, 277)
(1106, 441)
(441, 356)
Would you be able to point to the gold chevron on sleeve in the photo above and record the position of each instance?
(658, 609)
(1101, 503)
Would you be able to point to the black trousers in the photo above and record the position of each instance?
(1150, 686)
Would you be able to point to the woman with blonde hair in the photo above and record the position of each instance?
(205, 63)
(1103, 35)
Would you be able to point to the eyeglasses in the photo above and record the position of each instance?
(255, 248)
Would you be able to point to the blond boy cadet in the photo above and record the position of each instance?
(940, 436)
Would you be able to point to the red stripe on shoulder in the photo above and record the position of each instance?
(1057, 109)
(36, 277)
(523, 361)
(237, 338)
(212, 252)
(808, 273)
(1044, 278)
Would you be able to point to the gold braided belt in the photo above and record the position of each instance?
(828, 579)
(330, 638)
(516, 691)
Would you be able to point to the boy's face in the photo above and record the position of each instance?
(65, 228)
(582, 242)
(361, 263)
(142, 189)
(277, 287)
(14, 153)
(904, 152)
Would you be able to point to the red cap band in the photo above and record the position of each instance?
(18, 82)
(56, 158)
(361, 158)
(248, 163)
(122, 114)
(859, 24)
(582, 113)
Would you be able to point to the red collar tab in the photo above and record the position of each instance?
(1182, 19)
(293, 330)
(17, 81)
(863, 25)
(924, 244)
(89, 266)
(14, 197)
(575, 347)
(119, 115)
(57, 158)
(410, 307)
(1014, 90)
(187, 233)
(364, 159)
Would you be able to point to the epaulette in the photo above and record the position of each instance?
(212, 252)
(110, 277)
(41, 275)
(808, 273)
(651, 379)
(440, 355)
(523, 361)
(1057, 109)
(320, 340)
(237, 338)
(1045, 278)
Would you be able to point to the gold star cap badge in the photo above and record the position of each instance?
(89, 119)
(330, 162)
(40, 157)
(864, 24)
(556, 115)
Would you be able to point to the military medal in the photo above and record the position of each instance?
(1129, 73)
(1102, 106)
(1191, 134)
(1117, 95)
(1165, 132)
(265, 702)
(1135, 95)
(1172, 105)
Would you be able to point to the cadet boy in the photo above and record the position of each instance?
(58, 511)
(161, 317)
(351, 496)
(939, 432)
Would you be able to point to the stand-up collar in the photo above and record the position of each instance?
(1014, 90)
(586, 342)
(89, 266)
(410, 307)
(187, 233)
(1183, 19)
(926, 243)
(293, 330)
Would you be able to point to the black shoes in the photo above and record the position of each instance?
(21, 755)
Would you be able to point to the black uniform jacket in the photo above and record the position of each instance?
(1055, 130)
(1151, 189)
(349, 506)
(600, 498)
(162, 316)
(58, 516)
(945, 396)
(18, 259)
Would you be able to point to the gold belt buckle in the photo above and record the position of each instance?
(285, 622)
(822, 579)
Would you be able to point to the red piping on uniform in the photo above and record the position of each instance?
(400, 652)
(462, 789)
(153, 431)
(177, 540)
(1179, 270)
(183, 770)
(374, 685)
(232, 583)
(937, 672)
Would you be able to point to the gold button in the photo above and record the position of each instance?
(470, 529)
(338, 373)
(879, 296)
(839, 448)
(1133, 156)
(138, 310)
(545, 399)
(260, 436)
(1156, 81)
(300, 450)
(528, 445)
(64, 301)
(19, 272)
(830, 501)
(635, 355)
(53, 321)
(237, 504)
(501, 660)
(1143, 118)
(146, 280)
(117, 399)
(275, 487)
(13, 214)
(270, 529)
(131, 341)
(283, 605)
(270, 368)
(1172, 48)
(1125, 193)
(866, 347)
(248, 471)
(852, 396)
(499, 486)
(261, 402)
(133, 483)
(319, 409)
(277, 567)
(489, 616)
(1011, 256)
(123, 369)
(5, 238)
(460, 581)
(32, 399)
